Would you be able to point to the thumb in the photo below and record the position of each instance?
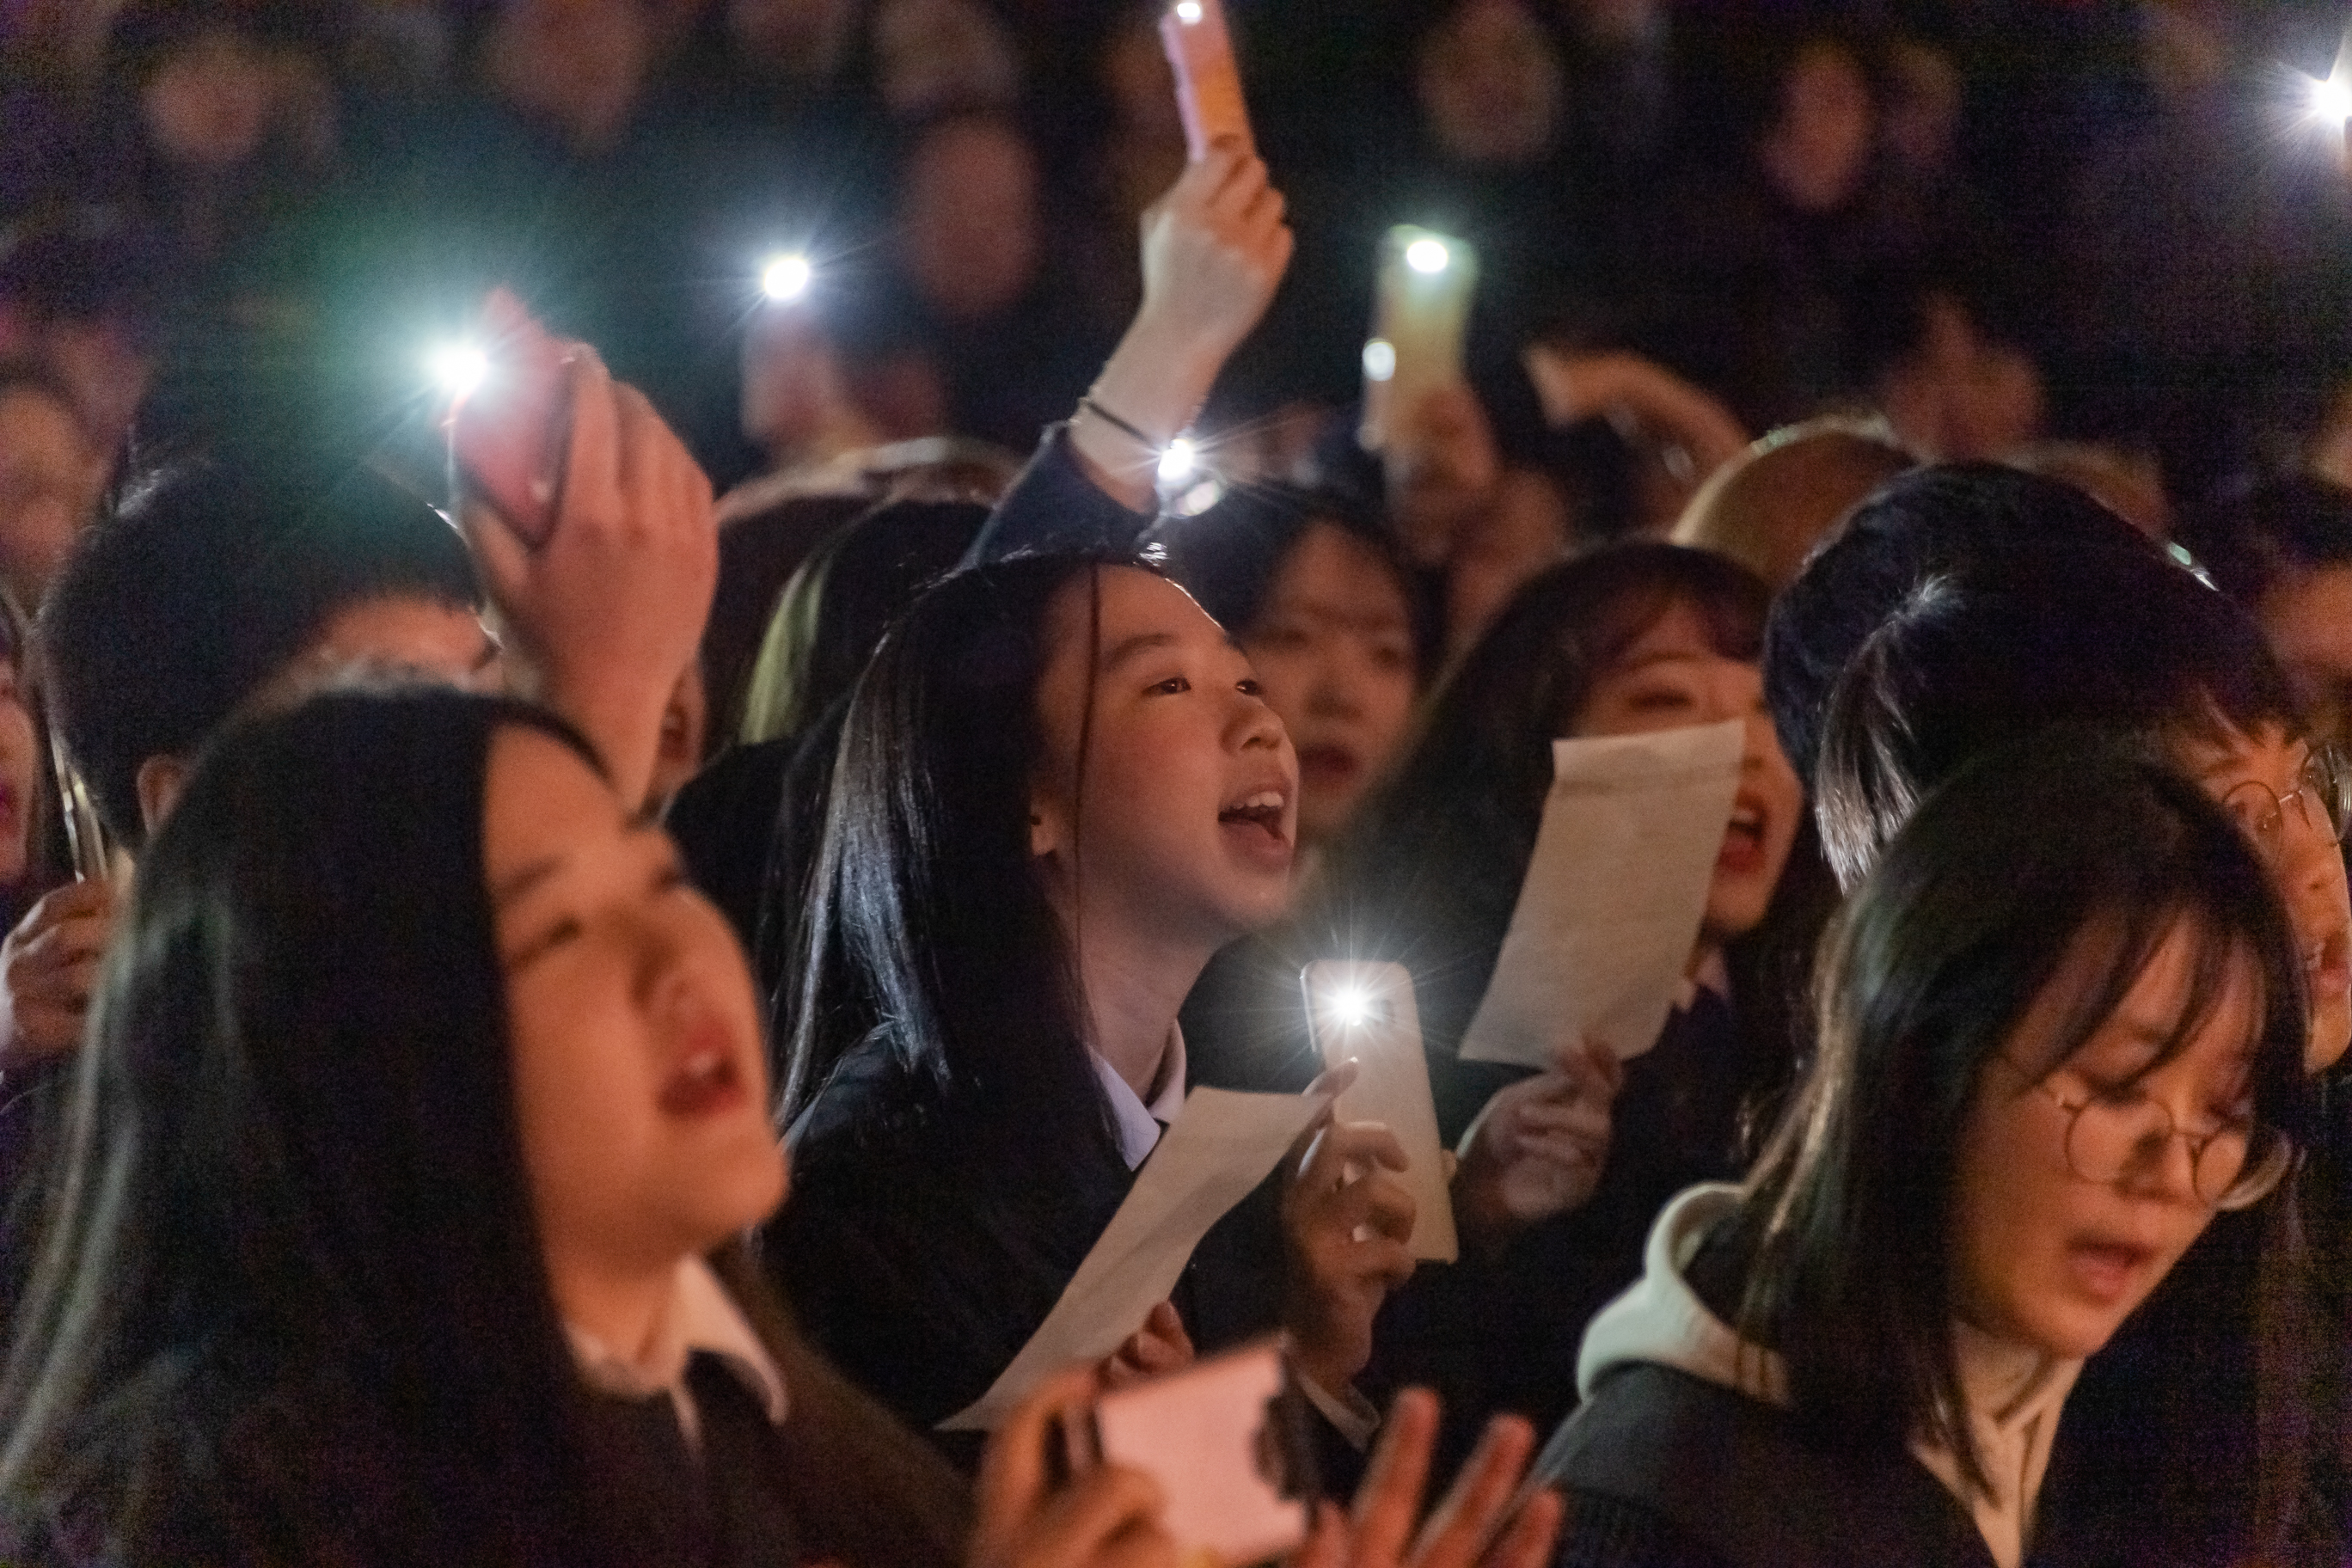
(504, 560)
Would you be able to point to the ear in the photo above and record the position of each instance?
(1048, 829)
(161, 779)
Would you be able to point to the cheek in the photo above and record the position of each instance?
(581, 1099)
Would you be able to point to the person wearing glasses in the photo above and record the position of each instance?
(1967, 607)
(2060, 1029)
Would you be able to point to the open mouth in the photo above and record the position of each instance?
(2327, 965)
(1743, 837)
(2108, 1269)
(1262, 810)
(705, 1081)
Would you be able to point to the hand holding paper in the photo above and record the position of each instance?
(1222, 1145)
(1614, 894)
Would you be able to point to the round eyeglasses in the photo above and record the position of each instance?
(2321, 800)
(2108, 1136)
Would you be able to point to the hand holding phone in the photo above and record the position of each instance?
(1208, 79)
(1364, 1012)
(1225, 1439)
(510, 437)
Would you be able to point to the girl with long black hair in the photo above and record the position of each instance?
(2061, 1027)
(423, 1105)
(1058, 793)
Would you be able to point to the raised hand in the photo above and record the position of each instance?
(1379, 1531)
(1108, 1518)
(1538, 1147)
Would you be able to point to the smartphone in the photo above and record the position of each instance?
(1226, 1438)
(1420, 327)
(85, 835)
(1365, 1013)
(1208, 80)
(509, 438)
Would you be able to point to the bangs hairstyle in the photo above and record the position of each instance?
(1481, 765)
(1230, 556)
(1972, 658)
(294, 1206)
(2075, 848)
(927, 921)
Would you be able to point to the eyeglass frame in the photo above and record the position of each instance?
(2262, 1178)
(2332, 790)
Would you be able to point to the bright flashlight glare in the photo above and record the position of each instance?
(1379, 359)
(457, 368)
(1427, 256)
(1351, 1007)
(1177, 463)
(1188, 11)
(787, 278)
(2331, 98)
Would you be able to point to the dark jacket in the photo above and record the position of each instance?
(922, 1260)
(1664, 1470)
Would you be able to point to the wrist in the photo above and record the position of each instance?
(1160, 375)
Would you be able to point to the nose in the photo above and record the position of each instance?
(1255, 724)
(1332, 695)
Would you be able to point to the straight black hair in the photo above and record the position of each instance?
(1985, 653)
(211, 575)
(294, 1201)
(2071, 844)
(1927, 523)
(1230, 556)
(927, 921)
(1468, 796)
(291, 1303)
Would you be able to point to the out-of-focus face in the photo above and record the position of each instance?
(2041, 1257)
(579, 63)
(1333, 647)
(1672, 679)
(209, 104)
(1491, 83)
(640, 1084)
(51, 477)
(1816, 153)
(1961, 396)
(967, 219)
(20, 761)
(2250, 775)
(1185, 829)
(798, 38)
(2307, 615)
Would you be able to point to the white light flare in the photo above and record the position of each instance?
(1428, 256)
(1379, 359)
(1178, 462)
(458, 369)
(787, 278)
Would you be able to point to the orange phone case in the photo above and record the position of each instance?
(1208, 82)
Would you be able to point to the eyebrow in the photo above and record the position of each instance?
(1128, 647)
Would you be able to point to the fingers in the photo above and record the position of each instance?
(1390, 1497)
(1474, 1503)
(1327, 1540)
(1013, 1473)
(591, 473)
(1528, 1543)
(1333, 1082)
(1364, 1144)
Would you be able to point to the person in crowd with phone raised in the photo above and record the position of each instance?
(2061, 1028)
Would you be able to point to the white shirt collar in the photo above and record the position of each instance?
(2014, 1397)
(699, 1316)
(1140, 1125)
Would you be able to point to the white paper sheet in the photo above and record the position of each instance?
(1364, 1012)
(1222, 1145)
(1613, 896)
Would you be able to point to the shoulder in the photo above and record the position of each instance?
(1734, 1481)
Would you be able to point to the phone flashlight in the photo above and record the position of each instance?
(1428, 255)
(1178, 462)
(458, 369)
(787, 278)
(2332, 100)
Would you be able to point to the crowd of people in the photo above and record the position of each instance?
(682, 680)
